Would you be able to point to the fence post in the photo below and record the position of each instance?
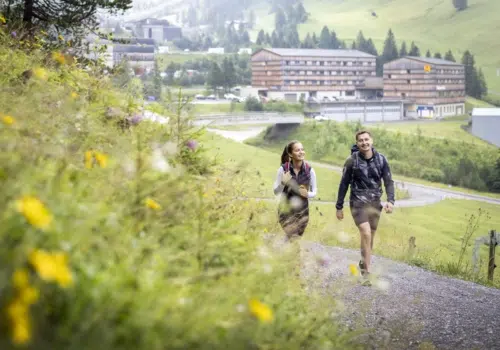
(491, 260)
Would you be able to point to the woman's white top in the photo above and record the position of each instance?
(278, 187)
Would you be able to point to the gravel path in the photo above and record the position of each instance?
(406, 307)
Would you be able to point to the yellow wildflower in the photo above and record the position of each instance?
(88, 159)
(44, 264)
(21, 332)
(260, 311)
(40, 73)
(34, 211)
(63, 274)
(59, 57)
(17, 310)
(2, 19)
(353, 269)
(43, 32)
(29, 295)
(101, 159)
(151, 203)
(20, 278)
(52, 267)
(74, 95)
(60, 37)
(8, 120)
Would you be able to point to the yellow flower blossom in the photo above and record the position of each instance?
(20, 278)
(8, 120)
(17, 310)
(21, 333)
(40, 73)
(88, 159)
(63, 275)
(34, 211)
(60, 37)
(101, 159)
(2, 19)
(29, 295)
(59, 57)
(261, 311)
(151, 203)
(74, 95)
(353, 269)
(52, 267)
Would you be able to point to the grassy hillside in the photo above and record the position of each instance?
(432, 24)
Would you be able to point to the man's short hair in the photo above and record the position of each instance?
(361, 132)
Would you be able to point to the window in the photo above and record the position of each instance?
(408, 71)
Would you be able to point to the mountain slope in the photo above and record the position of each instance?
(432, 24)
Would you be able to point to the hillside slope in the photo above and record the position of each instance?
(432, 24)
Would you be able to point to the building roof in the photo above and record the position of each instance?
(133, 49)
(433, 60)
(154, 22)
(486, 112)
(317, 52)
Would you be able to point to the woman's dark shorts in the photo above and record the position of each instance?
(366, 212)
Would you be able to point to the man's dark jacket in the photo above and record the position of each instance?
(365, 177)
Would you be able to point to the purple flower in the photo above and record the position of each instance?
(192, 144)
(14, 34)
(136, 119)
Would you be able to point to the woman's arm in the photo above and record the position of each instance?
(278, 187)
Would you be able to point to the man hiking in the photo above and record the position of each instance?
(364, 171)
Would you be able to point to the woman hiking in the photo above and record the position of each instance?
(296, 183)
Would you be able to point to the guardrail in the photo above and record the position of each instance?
(249, 118)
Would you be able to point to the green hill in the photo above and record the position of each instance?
(432, 24)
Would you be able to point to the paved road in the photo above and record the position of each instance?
(421, 195)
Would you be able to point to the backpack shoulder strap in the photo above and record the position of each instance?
(379, 159)
(286, 166)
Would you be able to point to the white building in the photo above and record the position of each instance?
(486, 124)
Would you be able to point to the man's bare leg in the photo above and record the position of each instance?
(366, 244)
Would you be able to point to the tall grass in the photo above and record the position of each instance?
(118, 233)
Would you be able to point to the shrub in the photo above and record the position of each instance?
(253, 104)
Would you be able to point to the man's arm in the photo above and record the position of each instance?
(344, 183)
(388, 182)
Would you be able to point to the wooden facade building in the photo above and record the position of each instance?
(435, 87)
(292, 74)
